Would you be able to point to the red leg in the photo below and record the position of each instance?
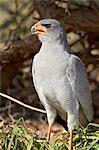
(71, 140)
(48, 133)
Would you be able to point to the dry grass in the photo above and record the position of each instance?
(19, 137)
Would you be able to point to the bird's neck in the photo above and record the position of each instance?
(56, 44)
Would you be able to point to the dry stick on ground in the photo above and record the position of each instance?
(2, 109)
(22, 104)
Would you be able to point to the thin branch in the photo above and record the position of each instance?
(22, 104)
(2, 109)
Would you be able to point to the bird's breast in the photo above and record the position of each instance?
(50, 77)
(50, 66)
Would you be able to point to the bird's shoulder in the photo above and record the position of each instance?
(76, 64)
(76, 61)
(76, 73)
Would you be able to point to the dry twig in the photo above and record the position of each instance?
(22, 104)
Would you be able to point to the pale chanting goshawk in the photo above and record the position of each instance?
(60, 78)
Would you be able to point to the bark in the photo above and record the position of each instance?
(82, 19)
(12, 59)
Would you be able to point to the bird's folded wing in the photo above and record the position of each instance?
(77, 76)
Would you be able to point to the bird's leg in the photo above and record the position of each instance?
(49, 133)
(71, 140)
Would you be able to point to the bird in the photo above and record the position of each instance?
(60, 78)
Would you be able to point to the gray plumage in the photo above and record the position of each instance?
(60, 78)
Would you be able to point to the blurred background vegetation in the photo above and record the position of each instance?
(17, 48)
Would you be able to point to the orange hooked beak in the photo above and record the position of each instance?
(38, 29)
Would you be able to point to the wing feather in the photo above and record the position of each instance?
(77, 76)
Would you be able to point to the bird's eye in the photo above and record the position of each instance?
(47, 25)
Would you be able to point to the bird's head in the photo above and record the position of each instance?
(48, 30)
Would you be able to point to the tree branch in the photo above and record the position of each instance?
(12, 59)
(82, 19)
